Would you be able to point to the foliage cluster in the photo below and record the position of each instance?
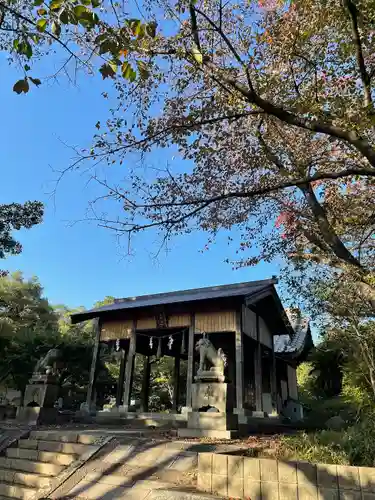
(30, 326)
(352, 446)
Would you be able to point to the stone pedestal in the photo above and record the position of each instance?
(212, 411)
(217, 395)
(40, 396)
(212, 375)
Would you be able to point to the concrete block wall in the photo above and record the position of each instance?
(234, 476)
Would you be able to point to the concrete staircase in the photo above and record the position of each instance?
(38, 461)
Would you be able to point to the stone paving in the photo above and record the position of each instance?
(157, 470)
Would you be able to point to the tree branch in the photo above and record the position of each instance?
(365, 77)
(204, 202)
(329, 235)
(320, 126)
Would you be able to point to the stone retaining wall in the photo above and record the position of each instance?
(267, 479)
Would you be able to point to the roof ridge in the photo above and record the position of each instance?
(244, 284)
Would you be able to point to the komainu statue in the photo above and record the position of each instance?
(47, 363)
(216, 358)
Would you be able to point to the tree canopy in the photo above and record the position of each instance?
(13, 217)
(269, 105)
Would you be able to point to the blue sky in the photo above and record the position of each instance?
(77, 262)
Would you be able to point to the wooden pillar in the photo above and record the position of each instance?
(129, 368)
(189, 377)
(275, 399)
(258, 370)
(239, 362)
(94, 362)
(145, 383)
(176, 382)
(121, 378)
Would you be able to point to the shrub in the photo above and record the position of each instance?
(359, 442)
(353, 446)
(324, 446)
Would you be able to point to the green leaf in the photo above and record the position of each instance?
(151, 29)
(21, 86)
(35, 81)
(143, 70)
(24, 48)
(107, 71)
(113, 65)
(56, 28)
(108, 46)
(135, 26)
(95, 3)
(64, 16)
(38, 2)
(128, 72)
(80, 11)
(27, 67)
(41, 25)
(86, 2)
(197, 54)
(55, 4)
(125, 68)
(101, 38)
(16, 44)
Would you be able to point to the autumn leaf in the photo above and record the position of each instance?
(22, 86)
(35, 81)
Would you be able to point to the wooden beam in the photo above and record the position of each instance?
(94, 361)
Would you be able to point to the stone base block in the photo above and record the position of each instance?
(215, 394)
(210, 433)
(36, 415)
(216, 421)
(209, 376)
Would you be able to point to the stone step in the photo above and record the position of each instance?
(24, 478)
(64, 437)
(96, 486)
(54, 446)
(41, 456)
(18, 464)
(210, 433)
(15, 491)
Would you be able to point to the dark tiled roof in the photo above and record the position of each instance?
(213, 292)
(294, 345)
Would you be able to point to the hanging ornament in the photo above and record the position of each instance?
(151, 343)
(183, 343)
(170, 342)
(158, 353)
(117, 345)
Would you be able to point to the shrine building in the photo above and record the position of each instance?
(243, 324)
